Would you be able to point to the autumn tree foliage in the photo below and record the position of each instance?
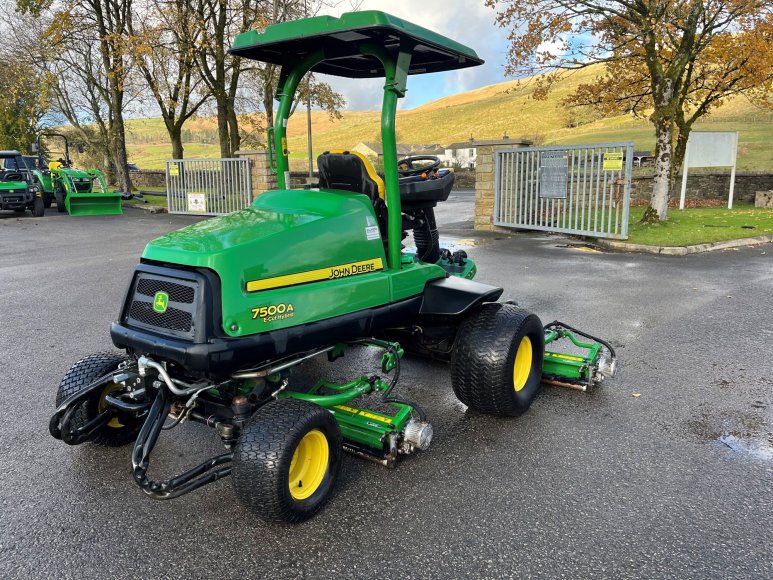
(673, 62)
(24, 101)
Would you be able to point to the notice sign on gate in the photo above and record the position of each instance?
(553, 174)
(197, 202)
(613, 161)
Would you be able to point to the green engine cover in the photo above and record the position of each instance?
(293, 257)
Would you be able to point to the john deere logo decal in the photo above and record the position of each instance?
(160, 301)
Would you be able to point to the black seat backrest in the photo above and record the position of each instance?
(349, 171)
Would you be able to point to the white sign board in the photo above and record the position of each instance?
(553, 174)
(710, 149)
(197, 202)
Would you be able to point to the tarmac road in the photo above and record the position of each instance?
(676, 482)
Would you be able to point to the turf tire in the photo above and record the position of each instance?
(264, 452)
(482, 365)
(60, 200)
(48, 199)
(83, 373)
(38, 207)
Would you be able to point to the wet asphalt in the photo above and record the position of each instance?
(666, 471)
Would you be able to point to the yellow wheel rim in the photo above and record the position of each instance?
(114, 422)
(309, 464)
(522, 365)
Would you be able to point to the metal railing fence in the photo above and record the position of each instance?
(208, 186)
(577, 189)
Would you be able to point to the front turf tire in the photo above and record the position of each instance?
(60, 195)
(38, 207)
(496, 367)
(284, 442)
(82, 374)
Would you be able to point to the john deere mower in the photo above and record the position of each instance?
(18, 190)
(76, 191)
(218, 315)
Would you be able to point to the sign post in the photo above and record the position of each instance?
(710, 149)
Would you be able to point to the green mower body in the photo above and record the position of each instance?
(218, 315)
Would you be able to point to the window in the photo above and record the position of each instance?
(471, 153)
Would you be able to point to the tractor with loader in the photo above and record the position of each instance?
(76, 191)
(218, 315)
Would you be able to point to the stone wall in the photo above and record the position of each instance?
(707, 186)
(484, 183)
(263, 179)
(148, 178)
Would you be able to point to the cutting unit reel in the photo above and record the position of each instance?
(263, 421)
(113, 399)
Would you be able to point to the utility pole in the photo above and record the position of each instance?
(308, 106)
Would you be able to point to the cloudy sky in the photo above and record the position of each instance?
(466, 21)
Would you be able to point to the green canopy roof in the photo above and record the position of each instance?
(340, 38)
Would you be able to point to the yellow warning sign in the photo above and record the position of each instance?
(613, 161)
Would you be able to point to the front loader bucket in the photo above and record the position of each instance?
(94, 204)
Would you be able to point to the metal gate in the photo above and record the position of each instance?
(578, 189)
(208, 186)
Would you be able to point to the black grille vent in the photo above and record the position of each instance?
(172, 319)
(178, 318)
(176, 292)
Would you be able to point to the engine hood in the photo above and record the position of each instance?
(13, 186)
(283, 232)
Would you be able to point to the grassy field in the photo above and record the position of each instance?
(484, 113)
(701, 225)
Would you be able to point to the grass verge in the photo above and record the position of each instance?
(701, 225)
(159, 200)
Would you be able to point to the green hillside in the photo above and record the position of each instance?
(484, 113)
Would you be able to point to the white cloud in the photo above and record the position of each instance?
(465, 21)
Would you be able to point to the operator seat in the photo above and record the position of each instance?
(352, 171)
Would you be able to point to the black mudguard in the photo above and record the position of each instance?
(454, 296)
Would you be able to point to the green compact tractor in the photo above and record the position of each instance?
(77, 191)
(18, 190)
(218, 315)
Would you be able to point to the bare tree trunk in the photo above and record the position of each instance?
(119, 148)
(233, 130)
(661, 188)
(222, 126)
(176, 137)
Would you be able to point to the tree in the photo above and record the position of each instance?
(221, 21)
(164, 39)
(103, 25)
(321, 94)
(24, 101)
(674, 61)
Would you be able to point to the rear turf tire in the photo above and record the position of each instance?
(82, 374)
(497, 360)
(47, 200)
(280, 439)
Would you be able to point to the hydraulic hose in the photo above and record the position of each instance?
(557, 324)
(387, 395)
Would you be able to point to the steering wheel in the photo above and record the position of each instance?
(13, 176)
(405, 166)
